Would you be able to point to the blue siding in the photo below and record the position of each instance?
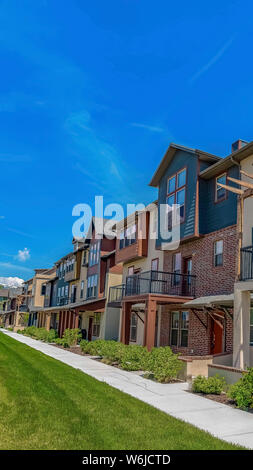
(215, 216)
(190, 161)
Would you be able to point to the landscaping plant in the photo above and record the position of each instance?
(70, 338)
(133, 357)
(162, 364)
(242, 391)
(211, 385)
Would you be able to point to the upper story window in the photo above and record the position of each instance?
(218, 253)
(127, 236)
(220, 193)
(176, 190)
(94, 253)
(43, 289)
(82, 289)
(92, 283)
(251, 326)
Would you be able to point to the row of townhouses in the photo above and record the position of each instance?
(196, 298)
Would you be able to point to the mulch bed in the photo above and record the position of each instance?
(73, 349)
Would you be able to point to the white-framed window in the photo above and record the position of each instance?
(179, 329)
(218, 253)
(133, 327)
(128, 236)
(96, 324)
(66, 290)
(220, 193)
(176, 192)
(92, 286)
(82, 289)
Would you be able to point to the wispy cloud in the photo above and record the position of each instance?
(148, 127)
(2, 217)
(213, 60)
(19, 232)
(15, 266)
(23, 255)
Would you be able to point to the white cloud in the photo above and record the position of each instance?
(2, 217)
(23, 255)
(147, 127)
(11, 281)
(212, 61)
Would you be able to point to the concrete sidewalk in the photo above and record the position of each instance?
(220, 420)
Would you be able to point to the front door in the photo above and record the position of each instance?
(216, 337)
(90, 328)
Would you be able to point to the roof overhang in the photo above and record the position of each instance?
(169, 154)
(228, 162)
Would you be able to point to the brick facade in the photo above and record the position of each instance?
(199, 336)
(210, 280)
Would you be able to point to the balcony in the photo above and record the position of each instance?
(62, 300)
(162, 283)
(247, 263)
(116, 295)
(70, 274)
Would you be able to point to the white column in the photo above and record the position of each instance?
(241, 329)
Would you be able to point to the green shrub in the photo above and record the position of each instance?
(40, 333)
(213, 385)
(70, 337)
(133, 357)
(163, 364)
(242, 391)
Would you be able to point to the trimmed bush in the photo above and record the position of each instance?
(70, 338)
(162, 364)
(40, 333)
(211, 385)
(134, 357)
(242, 391)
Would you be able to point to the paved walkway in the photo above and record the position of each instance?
(222, 421)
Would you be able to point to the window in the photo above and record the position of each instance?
(133, 327)
(130, 271)
(96, 324)
(127, 236)
(66, 291)
(43, 289)
(94, 253)
(220, 193)
(179, 329)
(62, 291)
(251, 327)
(174, 328)
(176, 264)
(92, 286)
(82, 290)
(184, 329)
(176, 194)
(154, 264)
(218, 253)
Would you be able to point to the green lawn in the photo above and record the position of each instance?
(45, 404)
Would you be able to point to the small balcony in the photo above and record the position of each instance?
(62, 300)
(162, 283)
(116, 295)
(247, 263)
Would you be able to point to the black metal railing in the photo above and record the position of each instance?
(116, 293)
(246, 263)
(62, 300)
(160, 282)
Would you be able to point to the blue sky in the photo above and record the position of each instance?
(91, 95)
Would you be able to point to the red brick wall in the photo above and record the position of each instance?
(199, 337)
(210, 280)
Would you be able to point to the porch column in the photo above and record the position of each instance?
(125, 323)
(149, 327)
(241, 329)
(60, 327)
(76, 320)
(48, 321)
